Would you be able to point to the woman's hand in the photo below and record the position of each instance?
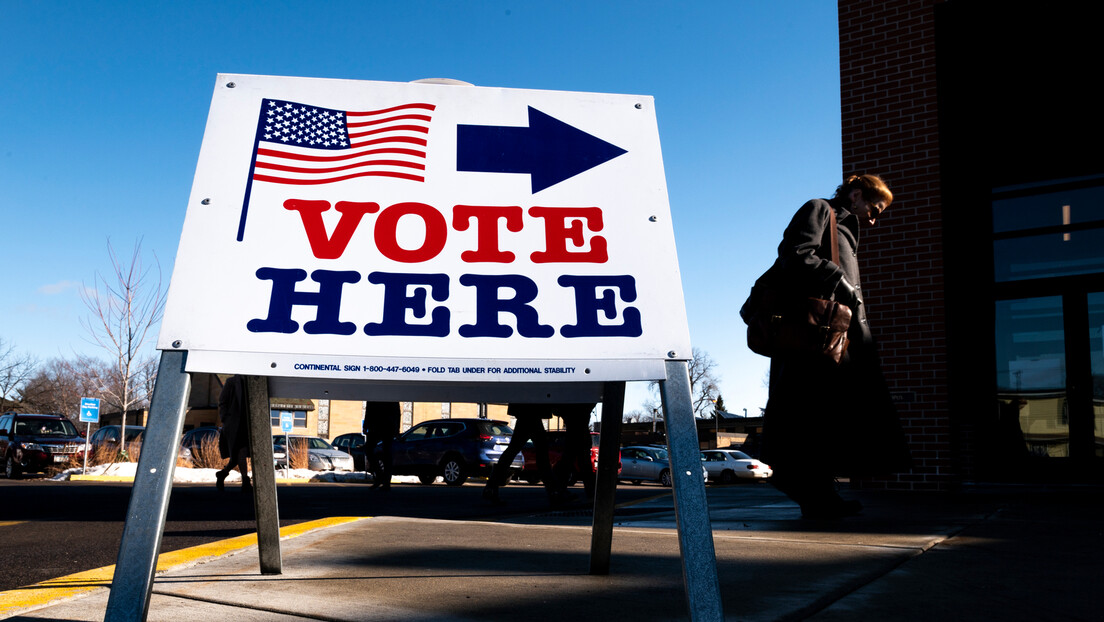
(848, 294)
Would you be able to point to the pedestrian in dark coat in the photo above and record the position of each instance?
(381, 426)
(234, 437)
(529, 425)
(824, 420)
(576, 454)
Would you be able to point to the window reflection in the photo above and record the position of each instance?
(1049, 234)
(1096, 349)
(1031, 376)
(1048, 255)
(1082, 205)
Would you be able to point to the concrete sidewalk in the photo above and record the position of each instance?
(908, 557)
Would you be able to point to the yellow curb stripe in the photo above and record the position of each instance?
(46, 592)
(9, 523)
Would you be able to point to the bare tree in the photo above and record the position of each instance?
(58, 386)
(125, 307)
(704, 387)
(15, 368)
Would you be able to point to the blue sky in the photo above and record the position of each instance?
(105, 105)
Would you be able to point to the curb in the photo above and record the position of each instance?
(80, 583)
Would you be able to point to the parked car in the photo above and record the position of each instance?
(321, 456)
(195, 439)
(106, 439)
(557, 440)
(455, 449)
(643, 463)
(198, 437)
(352, 444)
(30, 443)
(725, 466)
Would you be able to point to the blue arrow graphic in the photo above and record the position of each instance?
(549, 150)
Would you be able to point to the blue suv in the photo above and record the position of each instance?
(454, 449)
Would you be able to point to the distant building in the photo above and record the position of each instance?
(311, 417)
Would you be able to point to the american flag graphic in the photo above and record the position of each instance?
(299, 144)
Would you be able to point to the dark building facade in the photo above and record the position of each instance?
(986, 277)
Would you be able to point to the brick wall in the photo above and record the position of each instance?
(890, 128)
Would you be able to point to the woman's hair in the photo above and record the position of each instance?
(872, 187)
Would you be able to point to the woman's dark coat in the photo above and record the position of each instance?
(819, 414)
(232, 404)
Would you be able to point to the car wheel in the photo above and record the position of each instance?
(728, 477)
(665, 478)
(427, 478)
(11, 469)
(452, 469)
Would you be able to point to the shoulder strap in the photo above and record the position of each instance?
(834, 234)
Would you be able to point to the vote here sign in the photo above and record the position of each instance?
(419, 231)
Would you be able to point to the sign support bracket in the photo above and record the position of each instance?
(605, 485)
(264, 475)
(699, 558)
(132, 584)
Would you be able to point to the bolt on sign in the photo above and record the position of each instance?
(426, 232)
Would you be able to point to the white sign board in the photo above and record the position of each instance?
(427, 232)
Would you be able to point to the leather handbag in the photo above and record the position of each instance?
(785, 325)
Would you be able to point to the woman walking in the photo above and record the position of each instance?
(822, 419)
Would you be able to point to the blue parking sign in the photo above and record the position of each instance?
(286, 421)
(90, 410)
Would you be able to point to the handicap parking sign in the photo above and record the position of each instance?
(90, 410)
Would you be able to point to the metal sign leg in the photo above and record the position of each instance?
(132, 583)
(699, 560)
(264, 475)
(605, 488)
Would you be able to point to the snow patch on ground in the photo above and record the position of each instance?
(185, 475)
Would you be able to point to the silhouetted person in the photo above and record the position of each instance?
(529, 426)
(576, 454)
(381, 426)
(234, 438)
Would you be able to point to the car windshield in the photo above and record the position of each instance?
(659, 454)
(311, 442)
(497, 429)
(45, 427)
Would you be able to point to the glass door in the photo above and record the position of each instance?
(1048, 263)
(1033, 417)
(1050, 386)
